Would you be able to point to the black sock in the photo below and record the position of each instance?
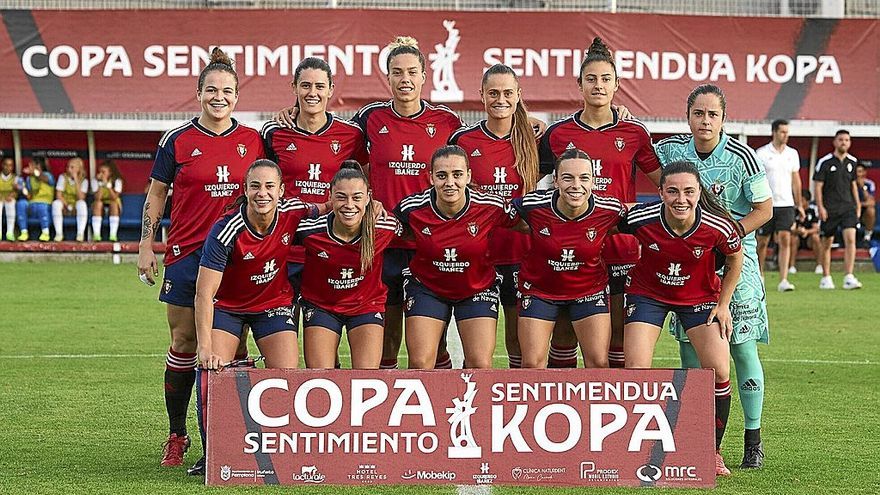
(178, 389)
(753, 437)
(722, 411)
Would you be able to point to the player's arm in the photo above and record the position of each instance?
(820, 200)
(206, 288)
(154, 206)
(761, 213)
(732, 268)
(114, 189)
(855, 193)
(796, 192)
(59, 188)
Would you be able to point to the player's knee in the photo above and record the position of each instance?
(183, 339)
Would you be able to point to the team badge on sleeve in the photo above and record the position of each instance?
(335, 147)
(619, 143)
(472, 229)
(242, 150)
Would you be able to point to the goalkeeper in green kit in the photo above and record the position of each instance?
(731, 170)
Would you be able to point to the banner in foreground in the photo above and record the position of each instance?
(477, 427)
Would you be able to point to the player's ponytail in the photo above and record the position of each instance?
(709, 201)
(522, 136)
(351, 169)
(403, 45)
(219, 61)
(598, 52)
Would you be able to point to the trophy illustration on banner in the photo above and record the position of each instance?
(442, 66)
(463, 444)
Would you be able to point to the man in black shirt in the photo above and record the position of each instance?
(839, 208)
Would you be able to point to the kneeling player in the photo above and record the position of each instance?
(680, 236)
(239, 282)
(342, 279)
(451, 270)
(564, 273)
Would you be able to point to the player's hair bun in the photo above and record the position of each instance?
(404, 41)
(599, 47)
(218, 56)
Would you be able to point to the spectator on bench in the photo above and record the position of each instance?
(806, 233)
(70, 198)
(37, 186)
(107, 188)
(867, 192)
(8, 193)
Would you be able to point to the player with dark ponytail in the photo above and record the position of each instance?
(617, 146)
(681, 236)
(205, 159)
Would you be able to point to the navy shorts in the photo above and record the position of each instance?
(421, 301)
(617, 277)
(509, 275)
(313, 316)
(838, 221)
(294, 276)
(576, 309)
(395, 260)
(646, 310)
(179, 284)
(262, 324)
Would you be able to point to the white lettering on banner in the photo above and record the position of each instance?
(365, 60)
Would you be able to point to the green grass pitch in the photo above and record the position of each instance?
(82, 411)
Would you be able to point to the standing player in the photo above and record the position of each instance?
(70, 198)
(342, 280)
(837, 196)
(312, 150)
(618, 147)
(732, 172)
(684, 232)
(401, 136)
(782, 165)
(239, 283)
(7, 195)
(564, 272)
(451, 269)
(205, 159)
(504, 161)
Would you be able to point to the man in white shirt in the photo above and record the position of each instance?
(781, 164)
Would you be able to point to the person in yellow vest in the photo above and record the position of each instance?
(70, 198)
(107, 188)
(8, 192)
(37, 192)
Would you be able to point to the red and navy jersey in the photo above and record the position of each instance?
(452, 254)
(493, 170)
(332, 278)
(678, 269)
(253, 264)
(616, 149)
(565, 261)
(400, 149)
(207, 171)
(309, 160)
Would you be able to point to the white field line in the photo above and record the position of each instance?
(456, 358)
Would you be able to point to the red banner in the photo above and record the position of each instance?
(147, 60)
(523, 427)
